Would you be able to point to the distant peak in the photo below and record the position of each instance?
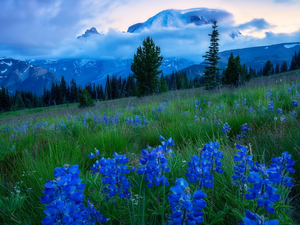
(88, 33)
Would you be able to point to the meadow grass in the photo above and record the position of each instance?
(36, 141)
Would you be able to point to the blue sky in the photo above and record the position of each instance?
(48, 28)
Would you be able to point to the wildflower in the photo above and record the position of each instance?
(201, 168)
(183, 207)
(155, 164)
(240, 170)
(279, 111)
(226, 128)
(253, 218)
(295, 103)
(245, 101)
(262, 179)
(270, 104)
(244, 130)
(64, 197)
(114, 175)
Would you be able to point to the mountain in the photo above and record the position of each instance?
(95, 71)
(172, 18)
(256, 57)
(21, 75)
(87, 34)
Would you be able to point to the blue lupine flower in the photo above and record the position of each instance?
(281, 165)
(245, 101)
(244, 130)
(240, 170)
(289, 90)
(295, 103)
(279, 111)
(262, 189)
(201, 168)
(183, 207)
(64, 197)
(271, 104)
(255, 219)
(156, 164)
(114, 175)
(226, 128)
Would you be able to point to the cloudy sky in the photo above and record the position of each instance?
(31, 29)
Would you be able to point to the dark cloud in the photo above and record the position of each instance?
(256, 25)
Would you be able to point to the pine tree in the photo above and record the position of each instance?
(232, 71)
(277, 68)
(283, 67)
(62, 91)
(73, 91)
(211, 74)
(85, 99)
(145, 67)
(108, 89)
(294, 62)
(19, 101)
(163, 87)
(267, 70)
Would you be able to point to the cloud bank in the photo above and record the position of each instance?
(47, 29)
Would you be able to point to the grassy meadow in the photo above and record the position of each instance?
(35, 142)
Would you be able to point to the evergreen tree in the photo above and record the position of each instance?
(19, 101)
(211, 74)
(163, 87)
(267, 70)
(73, 91)
(62, 91)
(108, 89)
(85, 99)
(283, 67)
(145, 67)
(277, 68)
(232, 71)
(294, 65)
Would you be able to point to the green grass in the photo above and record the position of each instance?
(40, 150)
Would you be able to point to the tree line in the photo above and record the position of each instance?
(115, 87)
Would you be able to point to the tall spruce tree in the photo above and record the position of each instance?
(267, 70)
(145, 67)
(211, 74)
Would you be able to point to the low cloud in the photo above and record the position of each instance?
(47, 29)
(256, 25)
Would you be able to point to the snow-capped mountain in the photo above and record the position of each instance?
(89, 71)
(88, 33)
(21, 75)
(172, 18)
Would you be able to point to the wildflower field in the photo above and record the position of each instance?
(228, 156)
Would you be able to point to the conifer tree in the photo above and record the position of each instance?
(62, 90)
(163, 87)
(211, 74)
(145, 67)
(277, 68)
(267, 70)
(283, 67)
(73, 91)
